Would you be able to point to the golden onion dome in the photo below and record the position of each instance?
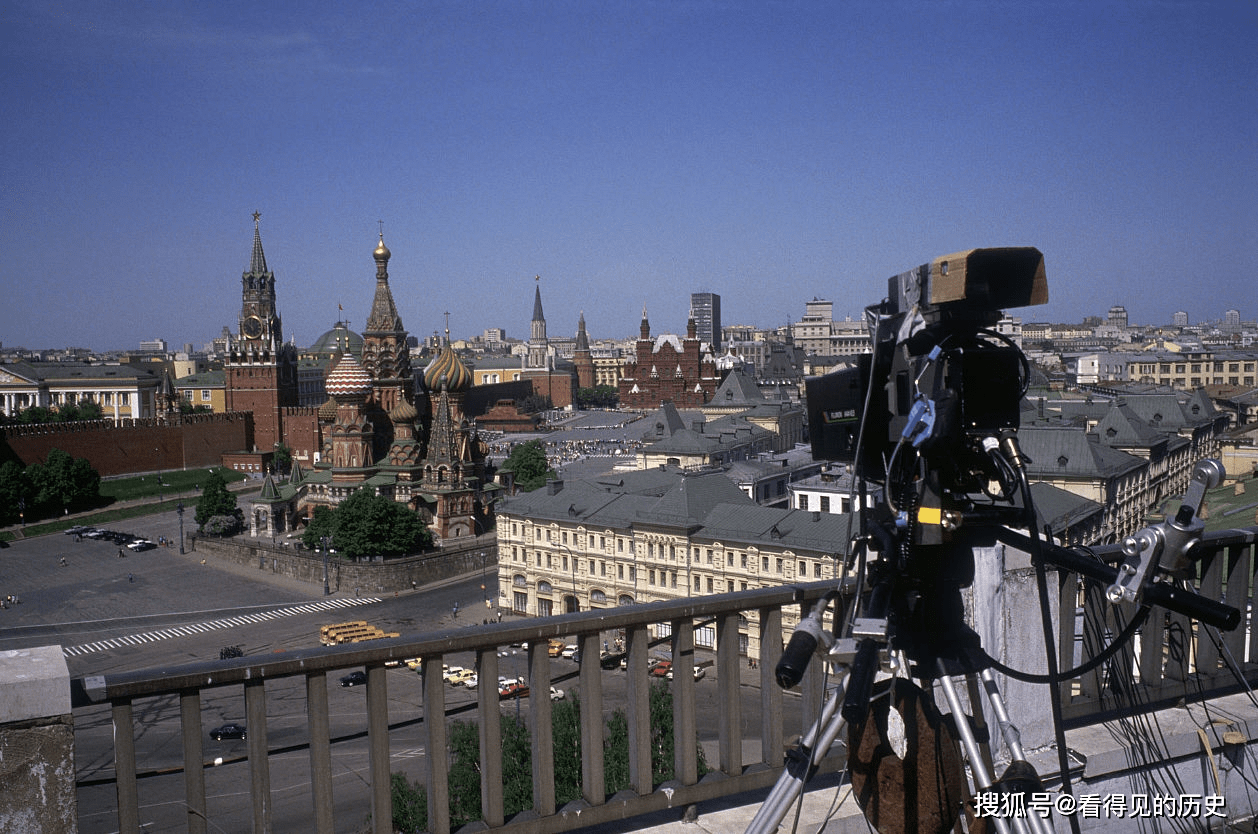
(449, 370)
(348, 379)
(327, 411)
(382, 253)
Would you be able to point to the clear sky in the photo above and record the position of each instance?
(629, 153)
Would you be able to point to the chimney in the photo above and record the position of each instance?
(554, 486)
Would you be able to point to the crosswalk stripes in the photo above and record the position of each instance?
(213, 625)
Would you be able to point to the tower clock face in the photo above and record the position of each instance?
(253, 327)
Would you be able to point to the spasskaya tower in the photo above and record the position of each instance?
(261, 370)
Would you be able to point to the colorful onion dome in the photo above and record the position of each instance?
(403, 412)
(348, 380)
(447, 368)
(327, 411)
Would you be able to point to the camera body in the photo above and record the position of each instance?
(937, 377)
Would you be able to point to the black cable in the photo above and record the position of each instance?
(1050, 656)
(1061, 677)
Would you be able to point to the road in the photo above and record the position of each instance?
(159, 608)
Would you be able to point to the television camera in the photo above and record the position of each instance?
(929, 419)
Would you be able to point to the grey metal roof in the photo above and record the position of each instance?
(1072, 452)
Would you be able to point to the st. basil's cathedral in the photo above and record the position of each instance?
(375, 430)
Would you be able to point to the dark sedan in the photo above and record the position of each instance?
(228, 731)
(354, 679)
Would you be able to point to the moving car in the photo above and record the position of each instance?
(228, 731)
(354, 679)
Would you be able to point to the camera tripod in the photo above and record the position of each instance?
(932, 765)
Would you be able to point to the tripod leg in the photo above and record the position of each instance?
(799, 767)
(1013, 739)
(982, 777)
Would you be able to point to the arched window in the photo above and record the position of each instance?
(544, 587)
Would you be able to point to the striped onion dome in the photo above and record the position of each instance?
(448, 367)
(348, 380)
(403, 412)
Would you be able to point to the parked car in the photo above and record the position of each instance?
(354, 679)
(451, 673)
(461, 677)
(660, 668)
(699, 673)
(556, 694)
(472, 682)
(140, 545)
(569, 651)
(228, 731)
(513, 689)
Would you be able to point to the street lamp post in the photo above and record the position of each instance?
(326, 590)
(179, 511)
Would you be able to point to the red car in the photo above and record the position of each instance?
(660, 668)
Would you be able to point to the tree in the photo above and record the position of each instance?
(528, 463)
(366, 524)
(215, 500)
(410, 804)
(63, 482)
(599, 396)
(14, 488)
(282, 462)
(322, 525)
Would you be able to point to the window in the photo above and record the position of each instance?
(697, 581)
(205, 395)
(825, 503)
(779, 565)
(620, 571)
(650, 577)
(803, 501)
(744, 560)
(709, 584)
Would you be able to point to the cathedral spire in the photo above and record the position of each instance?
(538, 315)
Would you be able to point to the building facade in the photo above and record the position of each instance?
(668, 369)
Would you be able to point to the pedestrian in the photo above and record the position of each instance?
(120, 553)
(130, 577)
(63, 561)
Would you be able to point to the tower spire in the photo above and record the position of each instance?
(257, 260)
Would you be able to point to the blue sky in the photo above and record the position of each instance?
(630, 153)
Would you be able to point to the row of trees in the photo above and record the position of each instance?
(366, 524)
(60, 484)
(410, 801)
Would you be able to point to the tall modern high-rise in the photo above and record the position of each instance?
(706, 309)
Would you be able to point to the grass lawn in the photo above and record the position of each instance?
(164, 484)
(175, 486)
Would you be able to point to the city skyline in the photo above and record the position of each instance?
(630, 158)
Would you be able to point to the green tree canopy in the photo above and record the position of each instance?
(528, 463)
(600, 396)
(14, 488)
(63, 482)
(366, 524)
(282, 462)
(215, 500)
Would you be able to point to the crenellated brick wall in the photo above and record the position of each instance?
(142, 445)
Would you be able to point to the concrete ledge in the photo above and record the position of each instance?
(34, 683)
